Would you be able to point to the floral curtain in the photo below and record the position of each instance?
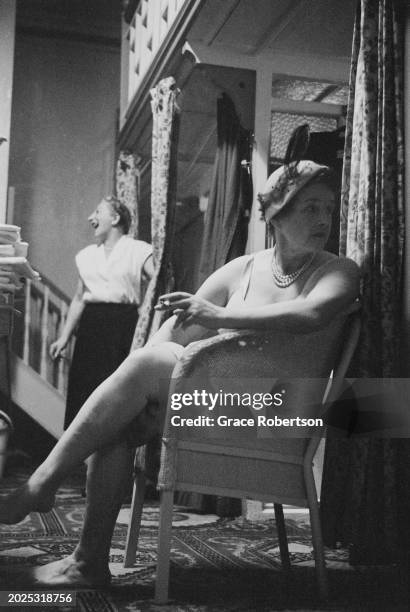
(372, 222)
(127, 185)
(361, 498)
(165, 116)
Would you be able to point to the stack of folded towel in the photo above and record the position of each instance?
(13, 253)
(10, 241)
(9, 237)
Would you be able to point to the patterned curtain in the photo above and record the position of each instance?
(362, 503)
(372, 223)
(224, 238)
(165, 114)
(127, 185)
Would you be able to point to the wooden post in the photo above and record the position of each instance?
(10, 205)
(260, 155)
(44, 334)
(61, 383)
(27, 323)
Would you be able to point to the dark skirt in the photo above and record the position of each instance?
(103, 341)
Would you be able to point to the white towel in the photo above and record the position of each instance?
(7, 250)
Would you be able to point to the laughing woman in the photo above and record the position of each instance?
(294, 288)
(105, 305)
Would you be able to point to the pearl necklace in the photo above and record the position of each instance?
(284, 280)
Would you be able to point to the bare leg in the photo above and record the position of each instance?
(101, 421)
(108, 475)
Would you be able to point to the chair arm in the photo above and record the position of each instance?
(252, 354)
(249, 354)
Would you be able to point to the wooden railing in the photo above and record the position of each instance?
(149, 26)
(43, 310)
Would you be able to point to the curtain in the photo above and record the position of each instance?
(230, 198)
(224, 238)
(127, 185)
(165, 115)
(363, 498)
(372, 223)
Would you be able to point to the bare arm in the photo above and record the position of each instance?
(333, 293)
(73, 316)
(217, 289)
(148, 269)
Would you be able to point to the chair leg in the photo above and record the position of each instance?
(283, 540)
(317, 539)
(164, 547)
(135, 519)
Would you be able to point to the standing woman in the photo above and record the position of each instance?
(105, 306)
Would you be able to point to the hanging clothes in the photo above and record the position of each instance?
(327, 148)
(225, 235)
(230, 199)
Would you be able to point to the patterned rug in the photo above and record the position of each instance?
(217, 564)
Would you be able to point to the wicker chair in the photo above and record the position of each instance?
(248, 462)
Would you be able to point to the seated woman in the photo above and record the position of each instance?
(296, 287)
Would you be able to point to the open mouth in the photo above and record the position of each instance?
(94, 224)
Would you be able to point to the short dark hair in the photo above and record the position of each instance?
(122, 211)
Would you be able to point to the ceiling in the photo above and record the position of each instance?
(245, 27)
(250, 27)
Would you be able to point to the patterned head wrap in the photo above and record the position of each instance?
(283, 184)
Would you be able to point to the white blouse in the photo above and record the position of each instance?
(115, 276)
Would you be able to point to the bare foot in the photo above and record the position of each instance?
(70, 572)
(17, 505)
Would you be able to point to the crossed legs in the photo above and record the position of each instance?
(97, 430)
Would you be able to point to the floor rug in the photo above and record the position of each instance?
(217, 564)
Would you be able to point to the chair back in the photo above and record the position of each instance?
(233, 460)
(337, 376)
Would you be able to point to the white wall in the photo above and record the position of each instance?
(7, 27)
(406, 297)
(65, 101)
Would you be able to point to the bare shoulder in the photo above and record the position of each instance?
(231, 270)
(222, 282)
(236, 264)
(328, 262)
(332, 269)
